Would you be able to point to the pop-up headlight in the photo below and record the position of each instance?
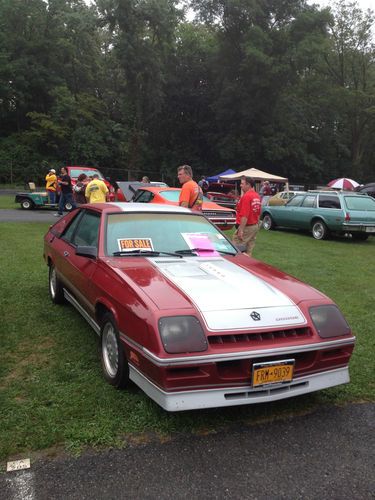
(182, 334)
(329, 321)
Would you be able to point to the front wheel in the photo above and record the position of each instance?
(319, 230)
(114, 364)
(268, 223)
(68, 206)
(56, 290)
(27, 204)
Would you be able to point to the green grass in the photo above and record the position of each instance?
(52, 393)
(7, 201)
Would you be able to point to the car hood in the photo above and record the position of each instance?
(228, 296)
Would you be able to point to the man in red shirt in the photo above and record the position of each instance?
(191, 195)
(247, 218)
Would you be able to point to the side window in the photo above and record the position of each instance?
(309, 201)
(69, 231)
(329, 201)
(295, 201)
(87, 231)
(143, 196)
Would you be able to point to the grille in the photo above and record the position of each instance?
(259, 337)
(222, 215)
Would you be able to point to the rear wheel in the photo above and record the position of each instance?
(56, 290)
(68, 206)
(114, 364)
(360, 236)
(268, 222)
(27, 204)
(319, 230)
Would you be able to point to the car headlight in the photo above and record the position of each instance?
(329, 321)
(182, 334)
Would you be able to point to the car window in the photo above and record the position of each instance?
(124, 230)
(142, 196)
(359, 203)
(75, 172)
(295, 201)
(329, 201)
(309, 201)
(86, 233)
(69, 231)
(170, 195)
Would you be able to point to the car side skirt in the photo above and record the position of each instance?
(244, 395)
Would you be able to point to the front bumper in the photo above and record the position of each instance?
(243, 395)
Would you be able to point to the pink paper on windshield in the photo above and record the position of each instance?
(201, 241)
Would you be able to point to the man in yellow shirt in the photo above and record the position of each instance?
(96, 190)
(51, 185)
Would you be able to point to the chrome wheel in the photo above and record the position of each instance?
(267, 222)
(110, 350)
(56, 289)
(52, 282)
(319, 230)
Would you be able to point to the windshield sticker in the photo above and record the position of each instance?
(130, 244)
(201, 242)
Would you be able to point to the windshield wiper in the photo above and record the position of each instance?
(142, 253)
(194, 251)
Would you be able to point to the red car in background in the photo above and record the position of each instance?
(223, 218)
(75, 171)
(223, 194)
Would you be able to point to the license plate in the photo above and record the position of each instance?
(370, 229)
(273, 372)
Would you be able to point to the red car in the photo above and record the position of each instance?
(223, 218)
(185, 316)
(75, 171)
(223, 194)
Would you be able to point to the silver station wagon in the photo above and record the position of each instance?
(323, 213)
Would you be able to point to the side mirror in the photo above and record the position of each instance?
(90, 252)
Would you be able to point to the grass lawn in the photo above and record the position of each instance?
(52, 393)
(7, 201)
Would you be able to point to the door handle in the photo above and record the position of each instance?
(66, 254)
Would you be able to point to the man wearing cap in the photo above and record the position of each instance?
(51, 185)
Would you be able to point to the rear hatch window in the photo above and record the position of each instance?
(361, 208)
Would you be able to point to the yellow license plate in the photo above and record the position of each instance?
(273, 372)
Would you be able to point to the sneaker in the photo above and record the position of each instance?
(58, 215)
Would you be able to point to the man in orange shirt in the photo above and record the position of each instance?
(191, 195)
(248, 211)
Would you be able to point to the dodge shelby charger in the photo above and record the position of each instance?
(186, 316)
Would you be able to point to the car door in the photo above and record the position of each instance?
(287, 214)
(78, 269)
(304, 213)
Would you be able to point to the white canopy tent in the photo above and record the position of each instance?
(257, 175)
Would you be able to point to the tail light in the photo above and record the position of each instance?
(347, 216)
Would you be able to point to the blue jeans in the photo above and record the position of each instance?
(52, 197)
(64, 199)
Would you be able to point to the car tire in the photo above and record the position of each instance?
(319, 230)
(360, 236)
(268, 223)
(56, 290)
(114, 363)
(27, 204)
(68, 207)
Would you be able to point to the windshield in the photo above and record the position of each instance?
(174, 195)
(360, 203)
(142, 231)
(76, 172)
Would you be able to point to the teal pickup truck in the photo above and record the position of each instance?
(325, 212)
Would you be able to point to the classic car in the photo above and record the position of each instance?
(223, 218)
(223, 194)
(186, 316)
(281, 198)
(127, 189)
(325, 212)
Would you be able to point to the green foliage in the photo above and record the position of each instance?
(284, 86)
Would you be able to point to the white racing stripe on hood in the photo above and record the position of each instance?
(227, 294)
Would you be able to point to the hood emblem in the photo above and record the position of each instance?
(255, 316)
